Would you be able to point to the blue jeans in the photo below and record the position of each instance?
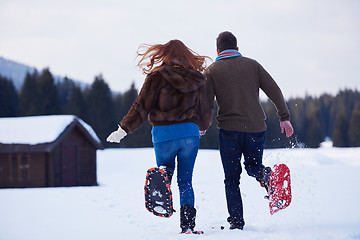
(233, 145)
(185, 149)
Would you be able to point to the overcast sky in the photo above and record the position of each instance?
(308, 46)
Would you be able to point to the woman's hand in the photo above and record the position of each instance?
(116, 136)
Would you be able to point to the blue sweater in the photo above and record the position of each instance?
(174, 131)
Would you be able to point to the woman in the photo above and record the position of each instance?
(173, 98)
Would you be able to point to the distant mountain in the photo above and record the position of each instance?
(14, 71)
(17, 71)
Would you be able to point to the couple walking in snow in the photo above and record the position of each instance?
(177, 98)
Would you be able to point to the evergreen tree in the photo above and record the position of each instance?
(8, 98)
(127, 100)
(325, 102)
(48, 97)
(101, 111)
(76, 104)
(344, 101)
(339, 137)
(297, 108)
(273, 133)
(315, 128)
(65, 88)
(118, 105)
(28, 97)
(314, 135)
(354, 127)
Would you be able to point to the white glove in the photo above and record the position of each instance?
(117, 135)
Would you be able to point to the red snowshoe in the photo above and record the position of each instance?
(279, 188)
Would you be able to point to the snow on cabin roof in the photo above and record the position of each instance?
(38, 129)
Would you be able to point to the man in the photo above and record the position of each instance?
(235, 82)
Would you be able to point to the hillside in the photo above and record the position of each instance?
(15, 71)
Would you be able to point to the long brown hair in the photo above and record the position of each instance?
(173, 53)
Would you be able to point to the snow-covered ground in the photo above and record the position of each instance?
(325, 187)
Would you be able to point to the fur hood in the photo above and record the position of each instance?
(182, 79)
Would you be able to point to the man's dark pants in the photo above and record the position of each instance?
(233, 145)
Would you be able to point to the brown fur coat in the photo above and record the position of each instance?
(170, 95)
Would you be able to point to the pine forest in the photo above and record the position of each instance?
(313, 118)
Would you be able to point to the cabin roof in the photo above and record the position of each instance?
(41, 129)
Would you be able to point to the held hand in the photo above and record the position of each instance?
(289, 130)
(116, 136)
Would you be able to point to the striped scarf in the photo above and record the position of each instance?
(228, 54)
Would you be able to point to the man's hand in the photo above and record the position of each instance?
(289, 130)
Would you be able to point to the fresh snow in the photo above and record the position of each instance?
(37, 129)
(325, 204)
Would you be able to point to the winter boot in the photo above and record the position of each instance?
(187, 218)
(236, 223)
(264, 178)
(168, 171)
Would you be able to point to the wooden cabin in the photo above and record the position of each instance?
(47, 151)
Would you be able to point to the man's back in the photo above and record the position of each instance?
(235, 82)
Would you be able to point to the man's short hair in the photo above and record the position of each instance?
(226, 40)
